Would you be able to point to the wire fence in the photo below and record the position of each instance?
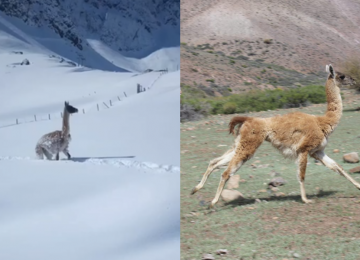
(105, 104)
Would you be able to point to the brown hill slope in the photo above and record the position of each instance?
(297, 35)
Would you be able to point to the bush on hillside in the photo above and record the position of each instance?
(195, 107)
(229, 107)
(193, 112)
(351, 67)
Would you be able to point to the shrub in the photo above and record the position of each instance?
(229, 108)
(351, 67)
(268, 41)
(257, 100)
(189, 92)
(189, 112)
(195, 104)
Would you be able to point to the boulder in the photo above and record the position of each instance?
(233, 182)
(276, 182)
(25, 62)
(355, 170)
(208, 257)
(351, 157)
(231, 195)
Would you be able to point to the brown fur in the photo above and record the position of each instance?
(236, 120)
(295, 135)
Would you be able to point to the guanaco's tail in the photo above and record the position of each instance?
(39, 152)
(236, 120)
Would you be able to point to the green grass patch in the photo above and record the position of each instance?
(252, 101)
(278, 227)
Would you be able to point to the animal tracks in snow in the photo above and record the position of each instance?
(135, 164)
(111, 161)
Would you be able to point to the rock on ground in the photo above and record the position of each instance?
(351, 157)
(276, 182)
(25, 62)
(233, 182)
(231, 195)
(208, 257)
(355, 170)
(221, 251)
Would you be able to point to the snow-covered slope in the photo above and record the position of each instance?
(88, 32)
(119, 196)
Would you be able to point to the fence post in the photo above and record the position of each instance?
(49, 117)
(61, 114)
(17, 121)
(125, 94)
(35, 117)
(83, 111)
(110, 103)
(97, 107)
(119, 98)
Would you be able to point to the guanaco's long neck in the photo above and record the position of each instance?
(66, 125)
(334, 106)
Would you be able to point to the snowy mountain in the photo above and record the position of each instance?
(119, 195)
(133, 29)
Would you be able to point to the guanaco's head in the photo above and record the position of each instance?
(340, 78)
(70, 109)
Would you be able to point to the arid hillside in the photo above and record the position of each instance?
(245, 44)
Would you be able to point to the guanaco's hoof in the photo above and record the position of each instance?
(194, 190)
(308, 201)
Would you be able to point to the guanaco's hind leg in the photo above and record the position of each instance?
(244, 151)
(233, 167)
(302, 162)
(214, 164)
(331, 164)
(46, 153)
(57, 157)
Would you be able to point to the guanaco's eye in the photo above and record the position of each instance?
(342, 76)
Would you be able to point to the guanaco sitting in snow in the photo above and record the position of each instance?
(57, 141)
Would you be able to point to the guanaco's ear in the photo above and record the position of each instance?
(330, 70)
